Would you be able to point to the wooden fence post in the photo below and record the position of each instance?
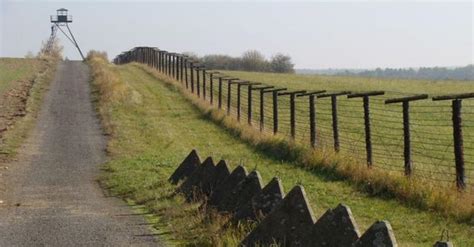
(181, 71)
(219, 99)
(198, 81)
(191, 70)
(186, 73)
(262, 104)
(406, 127)
(239, 88)
(335, 127)
(312, 115)
(368, 141)
(211, 86)
(292, 110)
(204, 83)
(229, 93)
(457, 135)
(275, 110)
(177, 66)
(160, 61)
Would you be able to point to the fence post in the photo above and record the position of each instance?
(275, 110)
(173, 57)
(219, 99)
(191, 70)
(177, 66)
(211, 86)
(181, 71)
(335, 127)
(312, 115)
(312, 122)
(155, 58)
(368, 141)
(406, 127)
(169, 64)
(249, 104)
(292, 111)
(458, 143)
(160, 59)
(238, 101)
(173, 65)
(204, 83)
(198, 82)
(262, 110)
(458, 135)
(186, 73)
(262, 104)
(229, 93)
(165, 62)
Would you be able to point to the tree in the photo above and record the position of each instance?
(253, 60)
(281, 64)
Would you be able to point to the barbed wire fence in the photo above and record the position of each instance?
(423, 137)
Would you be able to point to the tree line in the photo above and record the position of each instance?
(251, 60)
(435, 73)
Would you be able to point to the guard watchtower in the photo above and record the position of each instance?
(61, 19)
(61, 16)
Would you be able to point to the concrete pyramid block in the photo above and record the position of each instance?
(222, 173)
(208, 177)
(242, 193)
(336, 228)
(379, 234)
(288, 225)
(226, 187)
(192, 187)
(184, 170)
(443, 244)
(263, 203)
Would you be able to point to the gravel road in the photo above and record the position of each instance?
(52, 197)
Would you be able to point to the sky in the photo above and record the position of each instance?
(317, 35)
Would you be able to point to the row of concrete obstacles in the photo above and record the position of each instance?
(283, 220)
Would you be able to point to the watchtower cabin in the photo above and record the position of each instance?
(61, 16)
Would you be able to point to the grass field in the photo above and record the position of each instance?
(22, 83)
(431, 126)
(153, 127)
(14, 70)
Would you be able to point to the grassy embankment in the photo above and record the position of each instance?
(153, 127)
(22, 86)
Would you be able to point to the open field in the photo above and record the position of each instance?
(430, 122)
(153, 127)
(14, 70)
(22, 83)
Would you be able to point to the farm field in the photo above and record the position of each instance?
(430, 121)
(153, 127)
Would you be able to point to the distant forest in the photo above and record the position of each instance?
(435, 73)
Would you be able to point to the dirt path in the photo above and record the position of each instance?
(52, 197)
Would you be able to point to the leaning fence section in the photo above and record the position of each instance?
(421, 136)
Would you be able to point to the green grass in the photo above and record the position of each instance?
(13, 71)
(154, 127)
(431, 126)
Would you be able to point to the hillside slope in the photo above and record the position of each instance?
(153, 127)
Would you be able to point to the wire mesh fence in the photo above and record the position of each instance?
(409, 134)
